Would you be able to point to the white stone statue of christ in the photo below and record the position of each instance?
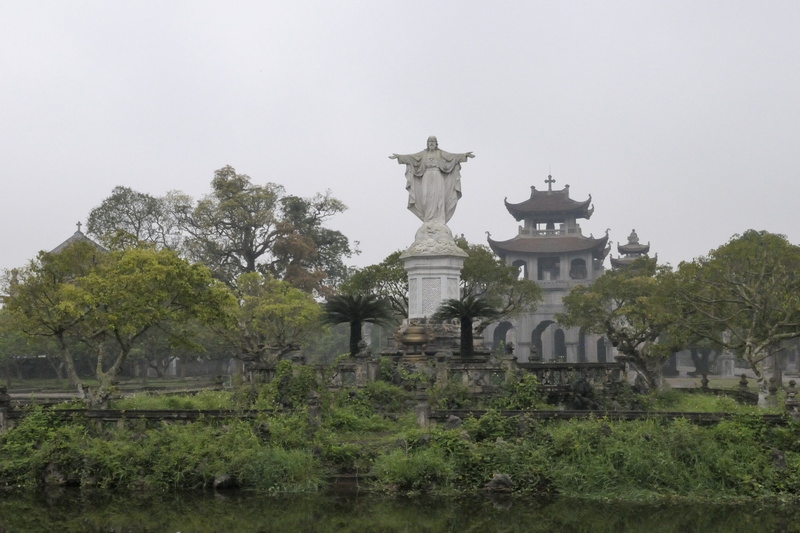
(433, 181)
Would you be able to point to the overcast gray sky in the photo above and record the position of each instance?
(680, 118)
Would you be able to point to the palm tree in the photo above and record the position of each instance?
(466, 310)
(356, 310)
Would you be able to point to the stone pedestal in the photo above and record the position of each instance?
(433, 264)
(431, 281)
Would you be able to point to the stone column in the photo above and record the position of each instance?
(362, 364)
(442, 368)
(423, 414)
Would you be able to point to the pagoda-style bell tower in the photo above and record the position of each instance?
(551, 250)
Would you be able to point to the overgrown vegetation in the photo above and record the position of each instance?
(371, 432)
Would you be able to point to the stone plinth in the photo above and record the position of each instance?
(433, 264)
(431, 281)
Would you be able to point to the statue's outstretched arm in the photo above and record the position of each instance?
(408, 159)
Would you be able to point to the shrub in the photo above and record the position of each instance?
(352, 419)
(385, 397)
(491, 426)
(348, 458)
(523, 394)
(411, 471)
(289, 388)
(453, 395)
(20, 448)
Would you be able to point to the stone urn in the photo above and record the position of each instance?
(415, 336)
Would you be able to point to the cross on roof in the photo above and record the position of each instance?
(79, 226)
(549, 181)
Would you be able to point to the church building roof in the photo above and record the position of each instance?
(78, 236)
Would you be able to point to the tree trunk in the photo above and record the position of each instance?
(777, 368)
(355, 336)
(467, 347)
(756, 360)
(57, 365)
(652, 379)
(100, 398)
(69, 363)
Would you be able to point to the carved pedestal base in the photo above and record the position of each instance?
(434, 265)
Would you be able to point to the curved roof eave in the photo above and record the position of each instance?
(550, 245)
(548, 205)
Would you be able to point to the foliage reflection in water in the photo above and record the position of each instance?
(73, 511)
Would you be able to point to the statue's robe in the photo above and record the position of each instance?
(433, 181)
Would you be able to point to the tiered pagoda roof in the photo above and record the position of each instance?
(550, 206)
(631, 251)
(555, 244)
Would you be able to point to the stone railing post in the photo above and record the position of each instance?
(743, 382)
(423, 414)
(362, 364)
(442, 372)
(772, 399)
(791, 403)
(509, 366)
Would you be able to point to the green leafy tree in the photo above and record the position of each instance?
(15, 344)
(271, 318)
(486, 276)
(356, 311)
(41, 298)
(326, 248)
(108, 301)
(387, 280)
(168, 343)
(241, 227)
(745, 296)
(467, 311)
(129, 217)
(635, 308)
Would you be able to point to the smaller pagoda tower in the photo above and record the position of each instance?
(630, 252)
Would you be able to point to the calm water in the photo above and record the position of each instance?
(68, 511)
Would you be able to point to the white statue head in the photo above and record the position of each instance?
(433, 144)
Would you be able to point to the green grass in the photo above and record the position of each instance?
(698, 402)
